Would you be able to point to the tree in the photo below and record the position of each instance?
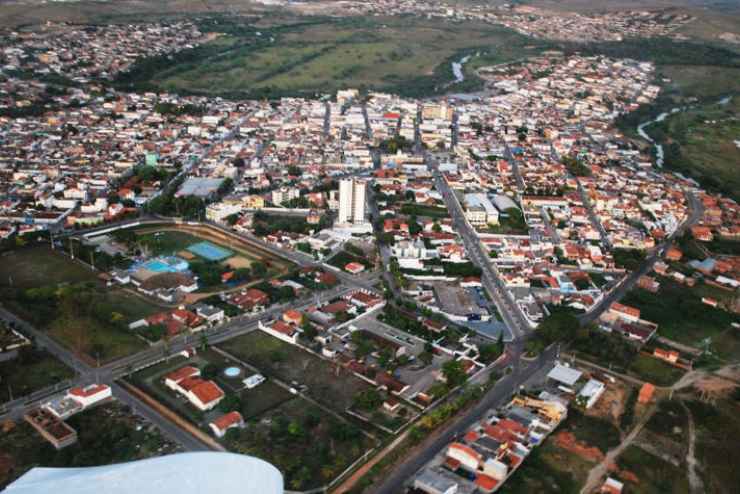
(259, 269)
(209, 371)
(230, 403)
(561, 325)
(367, 400)
(454, 373)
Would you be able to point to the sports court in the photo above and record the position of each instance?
(209, 251)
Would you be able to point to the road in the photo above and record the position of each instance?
(108, 374)
(497, 396)
(505, 303)
(696, 211)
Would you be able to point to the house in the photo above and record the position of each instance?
(354, 268)
(673, 254)
(281, 330)
(226, 422)
(436, 482)
(172, 379)
(213, 315)
(252, 299)
(362, 298)
(646, 393)
(702, 233)
(670, 356)
(204, 395)
(90, 395)
(391, 405)
(591, 392)
(611, 486)
(292, 316)
(624, 312)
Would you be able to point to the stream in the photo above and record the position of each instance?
(457, 70)
(659, 153)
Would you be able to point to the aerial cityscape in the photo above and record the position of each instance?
(377, 247)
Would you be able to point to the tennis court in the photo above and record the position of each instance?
(209, 251)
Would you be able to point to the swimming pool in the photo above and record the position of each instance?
(209, 251)
(166, 265)
(232, 372)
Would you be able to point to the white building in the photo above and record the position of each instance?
(351, 201)
(479, 210)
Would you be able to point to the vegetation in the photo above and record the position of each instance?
(681, 315)
(423, 210)
(335, 389)
(405, 55)
(267, 224)
(31, 370)
(82, 315)
(628, 258)
(654, 474)
(106, 434)
(576, 167)
(700, 143)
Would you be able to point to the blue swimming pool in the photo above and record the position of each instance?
(170, 264)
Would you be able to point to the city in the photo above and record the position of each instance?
(501, 285)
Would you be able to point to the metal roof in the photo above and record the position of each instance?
(564, 375)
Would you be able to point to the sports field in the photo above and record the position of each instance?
(209, 251)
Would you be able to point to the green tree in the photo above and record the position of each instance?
(454, 373)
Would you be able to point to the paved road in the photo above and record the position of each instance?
(505, 303)
(496, 397)
(696, 211)
(109, 373)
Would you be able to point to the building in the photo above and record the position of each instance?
(202, 394)
(351, 201)
(479, 210)
(231, 420)
(183, 473)
(90, 395)
(436, 482)
(591, 392)
(51, 428)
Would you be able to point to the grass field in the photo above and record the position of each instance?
(30, 371)
(549, 470)
(701, 143)
(308, 447)
(654, 474)
(106, 434)
(680, 314)
(93, 319)
(167, 242)
(407, 55)
(717, 428)
(36, 266)
(655, 371)
(289, 363)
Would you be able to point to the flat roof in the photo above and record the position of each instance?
(564, 375)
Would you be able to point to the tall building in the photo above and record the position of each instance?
(351, 201)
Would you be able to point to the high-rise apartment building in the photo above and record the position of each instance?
(351, 201)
